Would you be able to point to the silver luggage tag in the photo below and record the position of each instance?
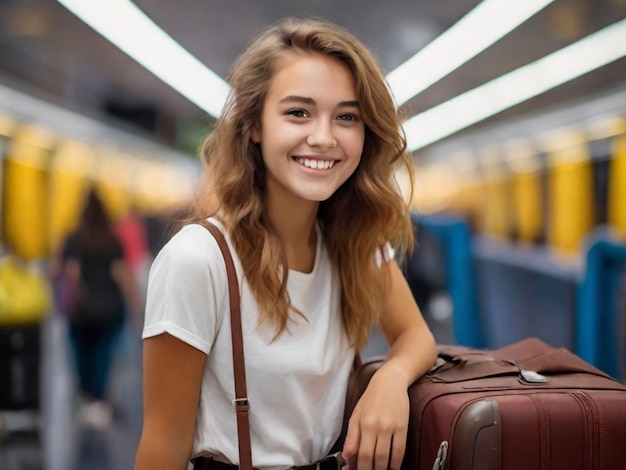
(528, 377)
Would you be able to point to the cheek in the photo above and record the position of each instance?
(355, 146)
(282, 137)
(356, 161)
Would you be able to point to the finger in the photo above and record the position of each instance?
(398, 448)
(353, 436)
(381, 454)
(367, 447)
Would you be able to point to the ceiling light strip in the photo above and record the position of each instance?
(579, 58)
(126, 26)
(480, 28)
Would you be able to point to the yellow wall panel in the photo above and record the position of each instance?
(497, 214)
(570, 197)
(526, 185)
(25, 212)
(527, 204)
(617, 187)
(69, 182)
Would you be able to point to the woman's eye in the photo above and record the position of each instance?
(296, 112)
(348, 117)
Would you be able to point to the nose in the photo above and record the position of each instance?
(321, 136)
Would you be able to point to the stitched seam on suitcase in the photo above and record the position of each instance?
(588, 430)
(544, 431)
(598, 448)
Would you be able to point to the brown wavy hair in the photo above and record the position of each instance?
(357, 220)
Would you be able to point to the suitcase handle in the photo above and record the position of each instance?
(446, 361)
(458, 363)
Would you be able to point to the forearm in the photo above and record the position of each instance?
(411, 355)
(154, 453)
(412, 346)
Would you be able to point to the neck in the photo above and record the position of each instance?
(295, 226)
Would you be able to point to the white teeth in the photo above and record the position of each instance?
(316, 164)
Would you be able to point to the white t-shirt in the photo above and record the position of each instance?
(296, 384)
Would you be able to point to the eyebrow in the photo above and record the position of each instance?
(311, 101)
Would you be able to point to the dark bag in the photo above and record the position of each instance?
(527, 405)
(94, 307)
(90, 298)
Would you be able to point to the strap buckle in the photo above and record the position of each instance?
(240, 402)
(332, 462)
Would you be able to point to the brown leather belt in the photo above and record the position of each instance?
(332, 462)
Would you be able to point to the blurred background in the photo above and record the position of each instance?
(515, 117)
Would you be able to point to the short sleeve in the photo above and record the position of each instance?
(187, 287)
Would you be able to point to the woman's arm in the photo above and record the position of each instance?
(172, 379)
(378, 426)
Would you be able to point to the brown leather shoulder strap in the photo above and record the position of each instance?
(241, 401)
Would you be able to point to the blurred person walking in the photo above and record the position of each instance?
(102, 290)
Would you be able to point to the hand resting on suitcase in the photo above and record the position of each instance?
(380, 435)
(377, 429)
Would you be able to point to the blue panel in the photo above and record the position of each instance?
(455, 237)
(600, 317)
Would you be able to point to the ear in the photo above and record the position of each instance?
(255, 134)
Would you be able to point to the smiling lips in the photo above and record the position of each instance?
(315, 164)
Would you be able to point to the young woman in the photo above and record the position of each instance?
(300, 179)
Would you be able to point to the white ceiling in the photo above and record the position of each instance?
(45, 49)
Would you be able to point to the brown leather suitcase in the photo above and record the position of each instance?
(524, 406)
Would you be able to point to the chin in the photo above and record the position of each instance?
(318, 197)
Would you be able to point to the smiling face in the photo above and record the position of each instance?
(311, 133)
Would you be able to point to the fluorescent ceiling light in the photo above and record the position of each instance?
(475, 32)
(126, 26)
(579, 58)
(122, 23)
